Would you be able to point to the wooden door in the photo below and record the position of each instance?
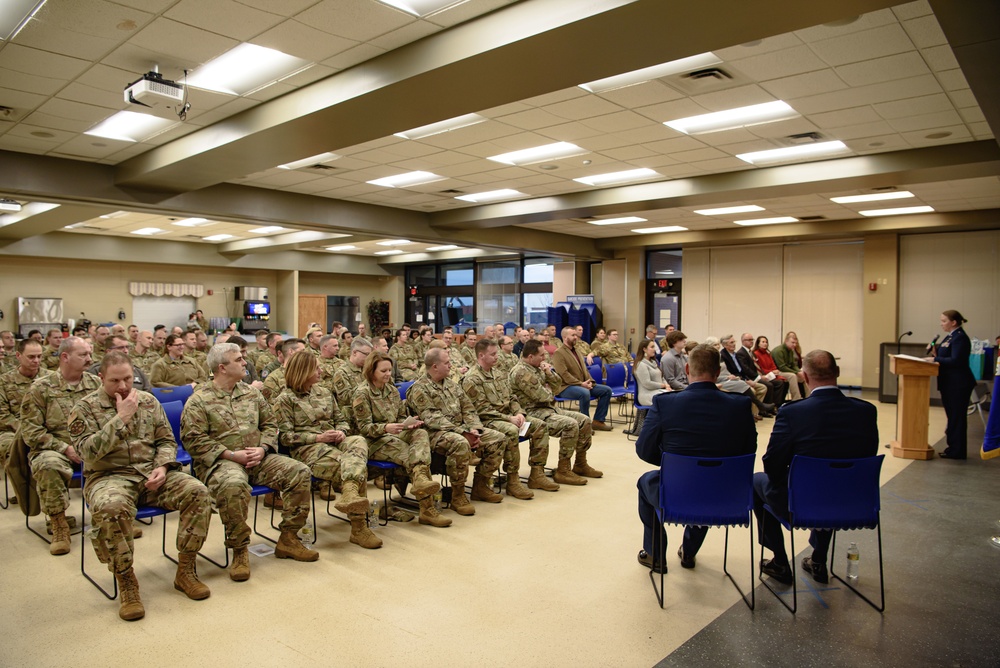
(312, 308)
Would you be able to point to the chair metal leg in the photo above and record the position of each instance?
(795, 602)
(256, 501)
(6, 492)
(652, 573)
(881, 571)
(725, 556)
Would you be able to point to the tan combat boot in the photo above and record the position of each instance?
(60, 534)
(538, 480)
(423, 485)
(239, 570)
(325, 491)
(187, 580)
(482, 490)
(565, 476)
(459, 501)
(290, 547)
(350, 501)
(361, 534)
(516, 488)
(131, 605)
(429, 514)
(582, 468)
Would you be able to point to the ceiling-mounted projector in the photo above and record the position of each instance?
(152, 90)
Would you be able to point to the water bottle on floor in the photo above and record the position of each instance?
(853, 561)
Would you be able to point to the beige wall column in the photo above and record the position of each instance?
(563, 281)
(286, 299)
(881, 307)
(613, 298)
(635, 296)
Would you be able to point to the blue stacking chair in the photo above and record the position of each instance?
(403, 387)
(177, 393)
(596, 373)
(617, 380)
(707, 491)
(836, 495)
(173, 409)
(636, 407)
(256, 491)
(77, 475)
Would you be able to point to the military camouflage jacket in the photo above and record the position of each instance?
(167, 372)
(13, 387)
(490, 394)
(327, 368)
(468, 355)
(582, 348)
(302, 417)
(50, 358)
(146, 360)
(346, 380)
(442, 406)
(46, 408)
(373, 409)
(532, 387)
(274, 384)
(263, 359)
(407, 360)
(505, 363)
(612, 353)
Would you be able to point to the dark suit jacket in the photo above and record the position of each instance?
(700, 421)
(743, 371)
(748, 364)
(952, 355)
(828, 425)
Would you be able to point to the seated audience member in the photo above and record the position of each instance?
(788, 358)
(275, 381)
(762, 356)
(600, 338)
(582, 347)
(775, 384)
(267, 360)
(191, 349)
(673, 361)
(506, 359)
(100, 337)
(174, 368)
(50, 351)
(312, 338)
(346, 338)
(349, 377)
(612, 352)
(8, 358)
(651, 332)
(577, 383)
(251, 373)
(701, 421)
(649, 381)
(404, 354)
(827, 425)
(732, 367)
(727, 382)
(130, 459)
(14, 384)
(143, 353)
(522, 336)
(260, 336)
(119, 344)
(230, 432)
(467, 350)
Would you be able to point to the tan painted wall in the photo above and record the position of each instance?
(563, 281)
(881, 266)
(388, 288)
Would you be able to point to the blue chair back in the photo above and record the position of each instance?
(706, 491)
(617, 375)
(173, 409)
(834, 493)
(403, 387)
(177, 393)
(596, 372)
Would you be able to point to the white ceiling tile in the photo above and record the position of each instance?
(860, 130)
(958, 133)
(864, 23)
(223, 17)
(876, 143)
(360, 20)
(152, 6)
(732, 98)
(35, 62)
(571, 132)
(940, 58)
(9, 142)
(777, 64)
(30, 83)
(700, 155)
(677, 145)
(650, 92)
(410, 32)
(668, 111)
(981, 130)
(106, 78)
(471, 134)
(555, 97)
(899, 89)
(504, 110)
(925, 31)
(972, 115)
(88, 147)
(20, 101)
(285, 177)
(581, 108)
(915, 106)
(353, 56)
(877, 70)
(926, 121)
(963, 98)
(532, 119)
(629, 152)
(31, 132)
(618, 122)
(303, 41)
(802, 85)
(69, 42)
(138, 60)
(78, 92)
(199, 116)
(864, 45)
(319, 185)
(952, 79)
(270, 92)
(75, 111)
(780, 129)
(56, 122)
(757, 47)
(727, 137)
(912, 10)
(748, 146)
(844, 117)
(123, 154)
(163, 36)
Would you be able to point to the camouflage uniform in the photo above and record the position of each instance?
(583, 349)
(534, 392)
(269, 369)
(262, 360)
(13, 387)
(491, 396)
(468, 355)
(373, 409)
(117, 459)
(99, 351)
(505, 363)
(346, 381)
(50, 358)
(215, 421)
(146, 360)
(406, 359)
(167, 372)
(302, 417)
(457, 362)
(274, 384)
(344, 352)
(45, 429)
(8, 361)
(613, 353)
(327, 368)
(199, 357)
(420, 348)
(447, 414)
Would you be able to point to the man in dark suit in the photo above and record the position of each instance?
(761, 391)
(701, 421)
(827, 425)
(744, 361)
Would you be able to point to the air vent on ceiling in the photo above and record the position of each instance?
(707, 80)
(716, 73)
(804, 138)
(584, 219)
(882, 189)
(811, 218)
(320, 168)
(451, 191)
(78, 226)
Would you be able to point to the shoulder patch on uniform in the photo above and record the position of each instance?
(77, 427)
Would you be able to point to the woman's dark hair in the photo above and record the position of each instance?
(955, 316)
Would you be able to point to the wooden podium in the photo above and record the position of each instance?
(913, 406)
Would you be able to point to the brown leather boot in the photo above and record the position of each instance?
(187, 580)
(239, 569)
(423, 485)
(361, 534)
(538, 480)
(483, 491)
(459, 502)
(290, 547)
(60, 534)
(582, 468)
(326, 492)
(429, 514)
(516, 488)
(565, 476)
(128, 588)
(350, 500)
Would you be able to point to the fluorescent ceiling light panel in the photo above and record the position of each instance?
(10, 205)
(422, 7)
(442, 248)
(875, 197)
(218, 237)
(793, 153)
(618, 221)
(407, 179)
(270, 229)
(655, 72)
(748, 208)
(15, 14)
(116, 214)
(542, 153)
(618, 177)
(309, 162)
(658, 230)
(741, 117)
(244, 69)
(898, 211)
(393, 242)
(148, 231)
(341, 248)
(767, 221)
(505, 193)
(130, 126)
(389, 252)
(442, 126)
(193, 222)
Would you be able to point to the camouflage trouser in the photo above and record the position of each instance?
(6, 440)
(51, 471)
(571, 428)
(229, 483)
(335, 463)
(409, 448)
(538, 439)
(113, 502)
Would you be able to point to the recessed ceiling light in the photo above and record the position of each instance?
(393, 242)
(748, 208)
(875, 197)
(442, 248)
(245, 68)
(688, 64)
(937, 135)
(10, 205)
(218, 237)
(793, 152)
(618, 221)
(407, 179)
(767, 221)
(897, 211)
(15, 14)
(422, 8)
(310, 161)
(657, 230)
(389, 252)
(341, 248)
(193, 222)
(269, 229)
(442, 126)
(542, 153)
(130, 126)
(505, 193)
(618, 177)
(729, 119)
(148, 231)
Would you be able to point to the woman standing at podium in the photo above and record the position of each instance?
(955, 382)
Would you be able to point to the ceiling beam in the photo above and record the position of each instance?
(48, 221)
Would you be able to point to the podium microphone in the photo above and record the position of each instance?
(898, 344)
(930, 346)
